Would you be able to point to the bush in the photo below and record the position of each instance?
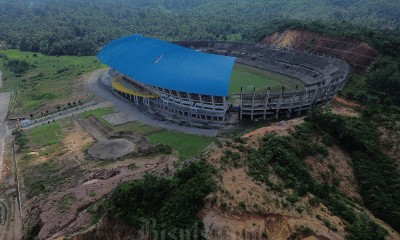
(18, 66)
(173, 203)
(365, 229)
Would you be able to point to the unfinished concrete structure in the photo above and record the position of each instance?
(190, 79)
(321, 76)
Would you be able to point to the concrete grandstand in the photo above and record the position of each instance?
(190, 79)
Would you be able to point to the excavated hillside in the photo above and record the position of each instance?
(244, 208)
(358, 54)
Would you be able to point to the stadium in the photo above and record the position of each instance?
(204, 81)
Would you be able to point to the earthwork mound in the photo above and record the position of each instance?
(112, 149)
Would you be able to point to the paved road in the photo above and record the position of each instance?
(68, 113)
(131, 110)
(4, 101)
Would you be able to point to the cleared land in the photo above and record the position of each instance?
(249, 77)
(49, 80)
(186, 145)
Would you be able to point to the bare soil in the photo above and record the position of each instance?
(242, 208)
(65, 211)
(336, 167)
(358, 54)
(283, 128)
(264, 214)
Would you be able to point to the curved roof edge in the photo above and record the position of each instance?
(166, 65)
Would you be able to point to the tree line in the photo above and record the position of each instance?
(80, 28)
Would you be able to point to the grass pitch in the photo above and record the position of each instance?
(249, 77)
(186, 144)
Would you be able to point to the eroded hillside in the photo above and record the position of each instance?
(257, 198)
(358, 54)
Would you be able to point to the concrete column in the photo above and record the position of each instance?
(252, 104)
(213, 102)
(279, 104)
(201, 101)
(266, 103)
(301, 102)
(225, 103)
(241, 104)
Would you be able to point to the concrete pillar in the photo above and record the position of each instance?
(252, 103)
(266, 103)
(279, 104)
(201, 101)
(241, 104)
(301, 102)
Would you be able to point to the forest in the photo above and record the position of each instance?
(81, 27)
(56, 27)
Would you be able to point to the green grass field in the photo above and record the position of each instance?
(49, 79)
(187, 145)
(46, 138)
(250, 77)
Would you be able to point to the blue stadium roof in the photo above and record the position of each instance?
(169, 66)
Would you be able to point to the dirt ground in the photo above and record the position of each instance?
(244, 209)
(346, 103)
(65, 211)
(263, 215)
(358, 54)
(336, 166)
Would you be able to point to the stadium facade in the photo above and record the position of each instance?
(169, 77)
(190, 79)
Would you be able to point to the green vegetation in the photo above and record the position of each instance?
(18, 66)
(365, 229)
(186, 144)
(380, 85)
(377, 175)
(33, 232)
(43, 177)
(41, 79)
(249, 77)
(98, 112)
(45, 136)
(74, 27)
(286, 155)
(172, 202)
(66, 203)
